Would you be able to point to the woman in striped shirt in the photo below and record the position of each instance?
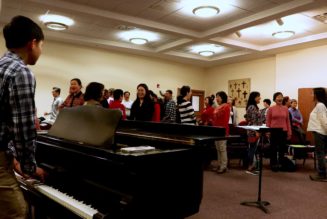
(185, 108)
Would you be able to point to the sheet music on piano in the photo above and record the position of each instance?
(138, 149)
(253, 127)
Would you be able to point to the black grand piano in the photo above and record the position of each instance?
(91, 176)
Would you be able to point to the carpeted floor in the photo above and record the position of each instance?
(291, 194)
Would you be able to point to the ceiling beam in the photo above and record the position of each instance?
(94, 41)
(235, 43)
(172, 45)
(311, 38)
(187, 55)
(231, 55)
(125, 19)
(261, 17)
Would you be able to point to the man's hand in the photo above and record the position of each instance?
(19, 170)
(40, 173)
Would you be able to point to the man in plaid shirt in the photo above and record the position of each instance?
(24, 40)
(170, 107)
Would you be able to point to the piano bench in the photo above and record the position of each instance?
(237, 151)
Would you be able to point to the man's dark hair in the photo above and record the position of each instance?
(268, 101)
(169, 91)
(20, 31)
(93, 91)
(127, 92)
(183, 92)
(56, 89)
(320, 95)
(117, 94)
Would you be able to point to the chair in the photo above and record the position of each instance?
(298, 151)
(237, 145)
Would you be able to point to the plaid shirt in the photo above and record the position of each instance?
(170, 112)
(17, 110)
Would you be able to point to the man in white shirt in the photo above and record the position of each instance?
(127, 103)
(111, 95)
(57, 101)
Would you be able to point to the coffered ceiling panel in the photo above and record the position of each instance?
(169, 29)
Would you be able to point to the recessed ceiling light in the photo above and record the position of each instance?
(206, 11)
(138, 41)
(206, 53)
(56, 22)
(207, 49)
(283, 34)
(56, 26)
(138, 36)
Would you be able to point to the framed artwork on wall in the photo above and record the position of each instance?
(239, 90)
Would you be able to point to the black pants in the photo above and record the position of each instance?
(278, 148)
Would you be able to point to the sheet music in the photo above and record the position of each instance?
(253, 127)
(137, 149)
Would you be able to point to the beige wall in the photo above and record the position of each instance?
(61, 62)
(261, 72)
(301, 69)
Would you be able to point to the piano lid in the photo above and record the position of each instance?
(91, 125)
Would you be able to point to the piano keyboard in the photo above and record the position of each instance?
(78, 207)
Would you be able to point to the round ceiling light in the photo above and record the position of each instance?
(206, 53)
(55, 26)
(206, 11)
(283, 34)
(56, 22)
(138, 41)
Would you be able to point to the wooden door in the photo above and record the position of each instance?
(306, 105)
(197, 101)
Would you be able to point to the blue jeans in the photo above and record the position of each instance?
(321, 143)
(251, 152)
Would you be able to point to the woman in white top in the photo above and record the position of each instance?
(233, 111)
(318, 126)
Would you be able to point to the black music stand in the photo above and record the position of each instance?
(259, 203)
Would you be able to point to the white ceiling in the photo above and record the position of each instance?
(97, 24)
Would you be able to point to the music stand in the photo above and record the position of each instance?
(258, 203)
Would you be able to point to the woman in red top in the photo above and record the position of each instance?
(278, 117)
(221, 118)
(157, 107)
(207, 113)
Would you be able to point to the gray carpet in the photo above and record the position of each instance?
(291, 194)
